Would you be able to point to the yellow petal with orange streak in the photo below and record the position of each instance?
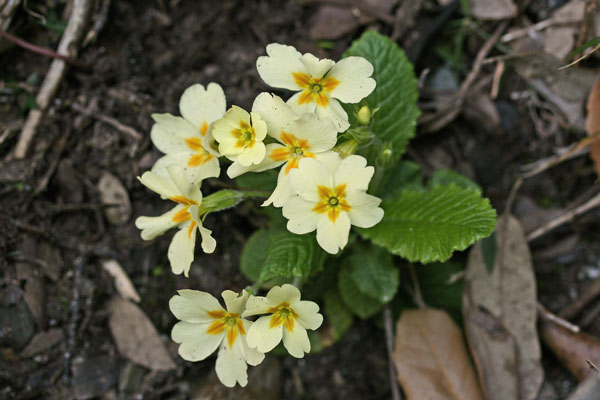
(301, 79)
(232, 334)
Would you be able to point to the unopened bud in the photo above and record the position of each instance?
(364, 115)
(385, 158)
(346, 148)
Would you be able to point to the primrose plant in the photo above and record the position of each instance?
(336, 143)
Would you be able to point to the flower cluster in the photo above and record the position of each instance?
(206, 326)
(320, 187)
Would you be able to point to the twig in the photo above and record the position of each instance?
(567, 216)
(98, 24)
(415, 279)
(545, 314)
(585, 55)
(498, 72)
(441, 118)
(67, 46)
(528, 30)
(8, 131)
(589, 294)
(389, 344)
(572, 151)
(119, 126)
(42, 50)
(511, 196)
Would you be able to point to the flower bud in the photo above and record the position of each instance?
(346, 148)
(385, 158)
(364, 115)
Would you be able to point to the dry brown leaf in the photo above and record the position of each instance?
(135, 336)
(114, 195)
(567, 89)
(592, 123)
(500, 313)
(493, 9)
(42, 341)
(571, 347)
(122, 282)
(431, 358)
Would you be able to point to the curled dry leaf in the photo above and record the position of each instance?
(592, 123)
(122, 282)
(500, 316)
(431, 358)
(135, 336)
(573, 348)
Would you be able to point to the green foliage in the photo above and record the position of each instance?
(266, 180)
(360, 304)
(440, 286)
(395, 95)
(273, 253)
(221, 200)
(444, 177)
(368, 279)
(337, 313)
(429, 226)
(373, 271)
(406, 175)
(591, 43)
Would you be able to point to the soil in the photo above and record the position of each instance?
(54, 234)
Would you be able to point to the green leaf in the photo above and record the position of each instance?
(254, 254)
(339, 316)
(222, 200)
(373, 271)
(444, 177)
(591, 43)
(440, 286)
(429, 226)
(358, 302)
(396, 92)
(406, 175)
(266, 180)
(271, 254)
(489, 249)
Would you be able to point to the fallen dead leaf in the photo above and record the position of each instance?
(431, 358)
(114, 194)
(122, 282)
(571, 347)
(135, 336)
(592, 123)
(42, 341)
(566, 89)
(587, 390)
(493, 9)
(559, 40)
(499, 309)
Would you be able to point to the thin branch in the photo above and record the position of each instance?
(389, 344)
(68, 46)
(42, 50)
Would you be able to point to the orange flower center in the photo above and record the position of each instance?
(332, 201)
(283, 314)
(245, 135)
(294, 150)
(226, 321)
(315, 89)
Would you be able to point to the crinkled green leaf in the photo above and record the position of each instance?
(396, 92)
(444, 177)
(291, 255)
(274, 253)
(429, 226)
(373, 271)
(358, 302)
(266, 180)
